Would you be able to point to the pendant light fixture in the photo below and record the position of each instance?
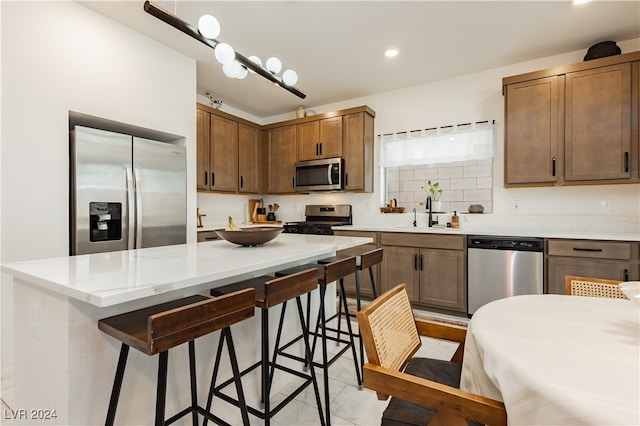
(234, 64)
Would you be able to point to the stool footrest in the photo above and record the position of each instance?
(200, 410)
(318, 364)
(255, 411)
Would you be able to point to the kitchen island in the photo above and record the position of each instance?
(64, 365)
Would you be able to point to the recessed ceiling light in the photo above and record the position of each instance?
(390, 53)
(579, 2)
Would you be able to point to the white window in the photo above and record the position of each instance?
(459, 158)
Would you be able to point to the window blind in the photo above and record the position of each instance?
(462, 142)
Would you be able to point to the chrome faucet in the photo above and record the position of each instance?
(431, 221)
(415, 223)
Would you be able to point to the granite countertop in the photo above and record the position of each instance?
(106, 279)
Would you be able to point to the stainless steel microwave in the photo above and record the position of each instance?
(320, 175)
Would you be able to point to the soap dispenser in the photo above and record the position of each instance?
(455, 220)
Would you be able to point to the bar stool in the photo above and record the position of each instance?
(270, 292)
(156, 329)
(326, 274)
(364, 261)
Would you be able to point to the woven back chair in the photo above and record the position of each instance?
(592, 287)
(423, 390)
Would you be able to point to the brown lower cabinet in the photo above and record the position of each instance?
(615, 260)
(433, 266)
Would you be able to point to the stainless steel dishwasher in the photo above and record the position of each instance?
(499, 267)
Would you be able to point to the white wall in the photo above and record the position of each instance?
(62, 56)
(472, 97)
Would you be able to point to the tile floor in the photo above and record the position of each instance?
(349, 406)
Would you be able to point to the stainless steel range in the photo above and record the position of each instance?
(320, 219)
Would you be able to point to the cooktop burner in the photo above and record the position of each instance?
(321, 219)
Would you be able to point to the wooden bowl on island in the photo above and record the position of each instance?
(251, 236)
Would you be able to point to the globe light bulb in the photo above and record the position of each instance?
(224, 53)
(209, 26)
(240, 70)
(228, 70)
(289, 77)
(274, 65)
(256, 61)
(234, 70)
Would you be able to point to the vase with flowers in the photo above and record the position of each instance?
(435, 192)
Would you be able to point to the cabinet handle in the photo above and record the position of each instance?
(415, 262)
(241, 182)
(553, 166)
(320, 148)
(421, 263)
(213, 179)
(317, 149)
(626, 275)
(626, 162)
(206, 178)
(293, 181)
(346, 179)
(587, 249)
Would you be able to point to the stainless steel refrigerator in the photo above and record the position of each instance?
(126, 192)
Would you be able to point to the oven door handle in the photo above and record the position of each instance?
(329, 181)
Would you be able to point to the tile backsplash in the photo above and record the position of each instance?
(463, 182)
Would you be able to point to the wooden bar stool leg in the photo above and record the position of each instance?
(117, 385)
(161, 393)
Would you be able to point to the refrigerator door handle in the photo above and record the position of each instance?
(130, 208)
(138, 224)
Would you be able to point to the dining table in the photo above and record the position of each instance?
(556, 359)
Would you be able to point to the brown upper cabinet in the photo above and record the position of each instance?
(229, 153)
(237, 156)
(346, 133)
(531, 154)
(358, 151)
(598, 124)
(250, 167)
(320, 139)
(572, 125)
(281, 159)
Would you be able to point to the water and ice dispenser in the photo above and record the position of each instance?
(105, 221)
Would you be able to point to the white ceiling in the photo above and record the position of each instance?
(337, 47)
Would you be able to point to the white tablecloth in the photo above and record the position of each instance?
(557, 360)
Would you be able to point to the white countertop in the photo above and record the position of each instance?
(506, 231)
(107, 279)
